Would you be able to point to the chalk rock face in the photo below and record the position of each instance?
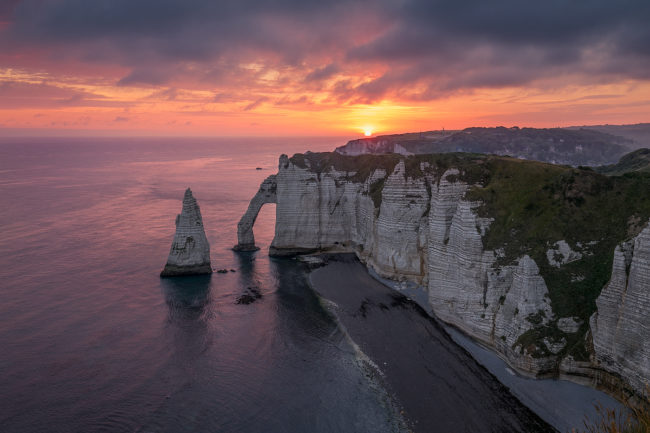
(328, 211)
(466, 289)
(568, 325)
(314, 210)
(621, 325)
(458, 269)
(190, 251)
(526, 306)
(398, 244)
(561, 254)
(415, 224)
(266, 194)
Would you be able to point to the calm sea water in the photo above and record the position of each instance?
(91, 339)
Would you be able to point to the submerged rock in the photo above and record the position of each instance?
(251, 295)
(190, 251)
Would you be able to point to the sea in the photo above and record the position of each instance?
(93, 340)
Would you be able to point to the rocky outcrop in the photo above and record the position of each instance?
(621, 325)
(411, 220)
(190, 251)
(266, 194)
(561, 254)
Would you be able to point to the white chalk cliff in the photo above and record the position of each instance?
(621, 325)
(190, 251)
(266, 194)
(423, 229)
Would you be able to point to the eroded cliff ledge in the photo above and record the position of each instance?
(515, 253)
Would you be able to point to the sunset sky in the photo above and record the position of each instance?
(303, 67)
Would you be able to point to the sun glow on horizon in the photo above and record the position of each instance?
(367, 131)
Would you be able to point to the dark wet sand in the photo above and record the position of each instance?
(439, 385)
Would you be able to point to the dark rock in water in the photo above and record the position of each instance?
(258, 168)
(190, 251)
(232, 270)
(245, 299)
(245, 247)
(222, 271)
(179, 271)
(251, 295)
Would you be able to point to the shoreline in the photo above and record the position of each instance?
(372, 372)
(527, 388)
(438, 383)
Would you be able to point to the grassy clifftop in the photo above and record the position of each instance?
(363, 165)
(557, 145)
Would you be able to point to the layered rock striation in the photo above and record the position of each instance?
(190, 251)
(621, 325)
(490, 240)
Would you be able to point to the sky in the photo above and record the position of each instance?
(319, 67)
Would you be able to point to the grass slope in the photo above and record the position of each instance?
(639, 160)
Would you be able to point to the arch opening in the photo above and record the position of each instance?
(266, 194)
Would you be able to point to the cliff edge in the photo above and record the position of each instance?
(514, 253)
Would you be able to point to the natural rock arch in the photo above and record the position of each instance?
(266, 194)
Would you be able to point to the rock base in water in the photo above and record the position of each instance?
(179, 271)
(190, 251)
(245, 247)
(291, 252)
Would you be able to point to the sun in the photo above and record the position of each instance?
(367, 132)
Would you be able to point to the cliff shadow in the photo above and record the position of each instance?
(249, 278)
(187, 326)
(186, 297)
(302, 315)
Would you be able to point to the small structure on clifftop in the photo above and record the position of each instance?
(190, 251)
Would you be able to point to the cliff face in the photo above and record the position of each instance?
(433, 221)
(327, 211)
(190, 251)
(466, 288)
(621, 325)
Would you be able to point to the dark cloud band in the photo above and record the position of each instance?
(436, 46)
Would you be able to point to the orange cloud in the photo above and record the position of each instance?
(305, 67)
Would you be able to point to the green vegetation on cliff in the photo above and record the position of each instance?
(639, 160)
(534, 205)
(362, 166)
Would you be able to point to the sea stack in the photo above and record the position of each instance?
(190, 251)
